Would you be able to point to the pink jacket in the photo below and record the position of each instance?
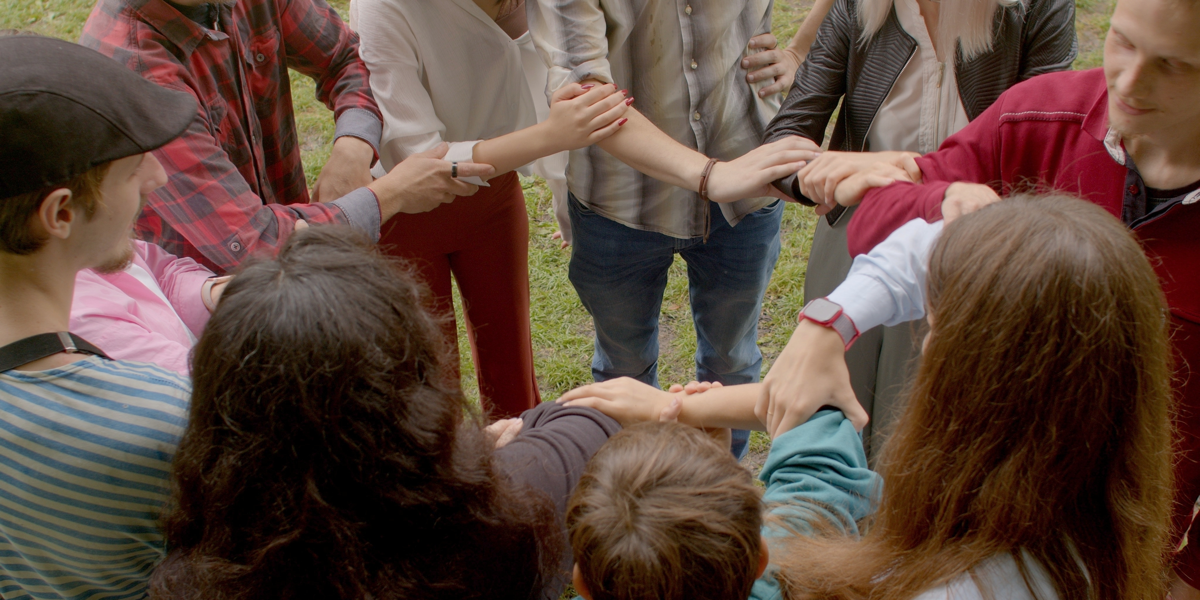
(128, 320)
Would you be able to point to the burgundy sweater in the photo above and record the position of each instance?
(1049, 133)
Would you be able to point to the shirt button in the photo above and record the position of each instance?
(235, 246)
(1133, 190)
(260, 57)
(688, 9)
(694, 65)
(696, 116)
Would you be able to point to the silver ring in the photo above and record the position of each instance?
(454, 170)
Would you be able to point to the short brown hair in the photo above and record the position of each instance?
(17, 237)
(663, 512)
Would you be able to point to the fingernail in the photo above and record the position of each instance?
(628, 101)
(589, 86)
(621, 122)
(624, 92)
(745, 63)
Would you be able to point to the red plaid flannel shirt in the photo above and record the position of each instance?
(236, 184)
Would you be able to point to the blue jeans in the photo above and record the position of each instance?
(620, 274)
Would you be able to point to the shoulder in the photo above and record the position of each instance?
(143, 380)
(1060, 96)
(997, 577)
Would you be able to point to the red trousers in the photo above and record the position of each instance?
(483, 240)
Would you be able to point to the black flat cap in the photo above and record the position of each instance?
(65, 109)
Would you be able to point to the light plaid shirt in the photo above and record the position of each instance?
(681, 60)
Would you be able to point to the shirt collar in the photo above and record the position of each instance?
(1112, 143)
(186, 34)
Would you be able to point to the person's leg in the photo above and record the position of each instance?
(407, 237)
(727, 277)
(492, 273)
(620, 274)
(828, 264)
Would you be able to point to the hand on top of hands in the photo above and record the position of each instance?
(772, 62)
(962, 198)
(750, 175)
(810, 373)
(630, 401)
(820, 179)
(583, 114)
(348, 168)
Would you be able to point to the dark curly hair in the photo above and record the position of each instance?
(326, 458)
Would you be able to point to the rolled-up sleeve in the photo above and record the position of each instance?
(570, 36)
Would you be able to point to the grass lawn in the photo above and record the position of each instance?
(562, 330)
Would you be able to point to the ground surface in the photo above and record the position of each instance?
(562, 330)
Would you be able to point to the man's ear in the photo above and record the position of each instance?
(764, 557)
(577, 581)
(55, 216)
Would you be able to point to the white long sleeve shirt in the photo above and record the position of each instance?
(887, 285)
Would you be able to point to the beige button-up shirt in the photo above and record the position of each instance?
(680, 60)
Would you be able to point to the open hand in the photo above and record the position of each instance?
(750, 175)
(504, 430)
(850, 191)
(625, 399)
(962, 198)
(810, 373)
(771, 62)
(581, 115)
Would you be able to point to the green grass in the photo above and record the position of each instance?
(562, 330)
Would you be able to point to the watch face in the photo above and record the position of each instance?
(822, 310)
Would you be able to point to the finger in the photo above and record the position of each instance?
(462, 188)
(604, 132)
(671, 412)
(910, 166)
(437, 151)
(557, 235)
(794, 142)
(857, 414)
(564, 246)
(822, 209)
(791, 419)
(779, 171)
(582, 391)
(781, 83)
(470, 169)
(756, 62)
(597, 93)
(613, 111)
(586, 402)
(301, 225)
(675, 388)
(571, 90)
(716, 384)
(763, 40)
(767, 72)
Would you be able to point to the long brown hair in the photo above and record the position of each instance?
(1038, 425)
(325, 456)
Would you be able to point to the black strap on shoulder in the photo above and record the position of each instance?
(40, 346)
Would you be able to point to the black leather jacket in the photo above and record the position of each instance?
(1027, 41)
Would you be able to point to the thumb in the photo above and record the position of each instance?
(437, 151)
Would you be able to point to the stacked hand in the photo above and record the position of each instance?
(348, 168)
(625, 399)
(750, 175)
(821, 180)
(422, 182)
(581, 115)
(771, 63)
(962, 198)
(810, 373)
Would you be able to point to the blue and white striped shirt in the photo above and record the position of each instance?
(85, 456)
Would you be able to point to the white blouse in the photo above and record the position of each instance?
(443, 70)
(923, 107)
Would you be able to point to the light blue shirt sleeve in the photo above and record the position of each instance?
(816, 474)
(887, 285)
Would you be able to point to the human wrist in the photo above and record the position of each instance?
(353, 149)
(826, 320)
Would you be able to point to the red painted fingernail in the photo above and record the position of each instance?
(589, 86)
(621, 122)
(628, 102)
(624, 92)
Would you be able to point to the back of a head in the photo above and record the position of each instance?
(1042, 399)
(1038, 421)
(663, 512)
(325, 454)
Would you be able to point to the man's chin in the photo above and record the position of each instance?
(116, 264)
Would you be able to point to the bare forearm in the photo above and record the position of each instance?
(730, 406)
(643, 146)
(514, 150)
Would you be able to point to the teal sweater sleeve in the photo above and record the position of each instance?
(815, 474)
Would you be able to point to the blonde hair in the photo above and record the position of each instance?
(967, 23)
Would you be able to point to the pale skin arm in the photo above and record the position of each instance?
(630, 401)
(807, 34)
(580, 115)
(646, 148)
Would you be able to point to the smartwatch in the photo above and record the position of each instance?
(827, 313)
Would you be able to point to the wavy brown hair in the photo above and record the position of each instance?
(1038, 425)
(325, 457)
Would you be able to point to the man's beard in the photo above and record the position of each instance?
(117, 263)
